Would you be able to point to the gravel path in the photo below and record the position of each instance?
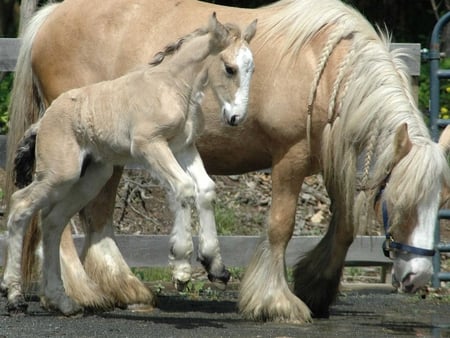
(358, 312)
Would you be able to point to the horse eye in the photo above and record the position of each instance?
(230, 70)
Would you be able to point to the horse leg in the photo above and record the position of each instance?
(181, 245)
(77, 284)
(101, 257)
(53, 221)
(264, 293)
(164, 165)
(209, 250)
(317, 275)
(24, 204)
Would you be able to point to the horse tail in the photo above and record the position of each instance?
(25, 107)
(26, 103)
(25, 156)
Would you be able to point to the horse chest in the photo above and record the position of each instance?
(186, 136)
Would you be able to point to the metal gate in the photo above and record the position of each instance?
(436, 74)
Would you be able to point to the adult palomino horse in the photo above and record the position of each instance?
(152, 116)
(328, 96)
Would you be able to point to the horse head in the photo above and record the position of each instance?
(409, 215)
(231, 71)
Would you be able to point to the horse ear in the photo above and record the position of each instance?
(250, 31)
(402, 143)
(444, 140)
(212, 23)
(219, 30)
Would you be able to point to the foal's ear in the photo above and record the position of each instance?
(402, 143)
(250, 31)
(215, 27)
(444, 140)
(212, 23)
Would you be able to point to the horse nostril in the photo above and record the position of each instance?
(409, 288)
(408, 276)
(233, 119)
(408, 285)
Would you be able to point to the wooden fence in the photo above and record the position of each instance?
(152, 250)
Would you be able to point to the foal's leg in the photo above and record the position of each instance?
(24, 204)
(53, 221)
(181, 245)
(164, 165)
(209, 250)
(265, 294)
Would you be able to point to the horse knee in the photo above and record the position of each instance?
(206, 195)
(185, 191)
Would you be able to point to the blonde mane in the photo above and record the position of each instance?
(301, 21)
(365, 108)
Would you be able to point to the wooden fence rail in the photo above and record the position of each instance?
(152, 250)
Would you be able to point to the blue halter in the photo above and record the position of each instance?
(389, 243)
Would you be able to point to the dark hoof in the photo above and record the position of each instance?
(322, 314)
(223, 278)
(18, 307)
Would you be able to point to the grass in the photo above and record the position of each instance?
(225, 220)
(159, 279)
(164, 274)
(153, 274)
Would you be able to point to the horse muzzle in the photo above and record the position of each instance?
(232, 116)
(411, 273)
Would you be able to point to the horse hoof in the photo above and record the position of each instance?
(65, 305)
(19, 306)
(223, 278)
(180, 285)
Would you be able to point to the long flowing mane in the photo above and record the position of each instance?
(365, 107)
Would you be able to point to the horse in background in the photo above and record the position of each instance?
(150, 116)
(328, 96)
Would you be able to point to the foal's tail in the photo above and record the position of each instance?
(26, 106)
(25, 156)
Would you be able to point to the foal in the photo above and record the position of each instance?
(150, 116)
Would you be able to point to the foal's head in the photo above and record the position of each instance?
(229, 63)
(231, 68)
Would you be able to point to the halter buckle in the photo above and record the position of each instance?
(387, 246)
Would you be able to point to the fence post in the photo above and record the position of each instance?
(436, 74)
